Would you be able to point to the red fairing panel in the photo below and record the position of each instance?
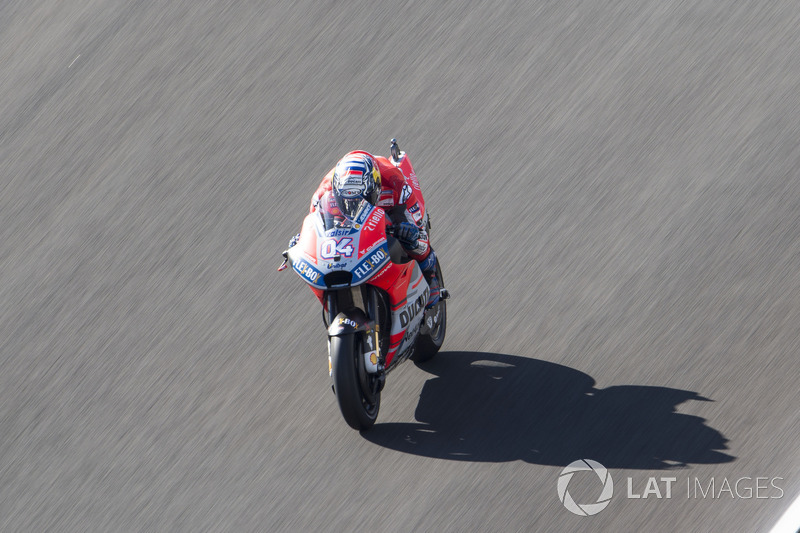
(411, 178)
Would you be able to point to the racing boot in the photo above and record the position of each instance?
(428, 267)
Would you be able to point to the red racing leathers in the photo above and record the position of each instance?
(395, 191)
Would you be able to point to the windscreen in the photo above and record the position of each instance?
(338, 214)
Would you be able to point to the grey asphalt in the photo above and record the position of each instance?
(615, 200)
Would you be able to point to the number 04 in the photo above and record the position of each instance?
(331, 247)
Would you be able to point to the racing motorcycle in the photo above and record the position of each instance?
(373, 297)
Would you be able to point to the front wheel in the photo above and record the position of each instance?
(357, 391)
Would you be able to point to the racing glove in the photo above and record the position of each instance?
(407, 234)
(293, 240)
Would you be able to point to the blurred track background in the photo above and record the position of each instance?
(615, 200)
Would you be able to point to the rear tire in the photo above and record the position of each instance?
(356, 391)
(429, 343)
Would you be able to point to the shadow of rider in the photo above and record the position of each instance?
(495, 407)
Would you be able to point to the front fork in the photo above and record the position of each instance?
(343, 318)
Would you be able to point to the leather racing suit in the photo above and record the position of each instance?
(397, 191)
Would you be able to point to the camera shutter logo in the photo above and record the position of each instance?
(586, 509)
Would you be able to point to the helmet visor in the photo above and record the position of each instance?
(349, 206)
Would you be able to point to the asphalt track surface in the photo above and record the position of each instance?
(615, 199)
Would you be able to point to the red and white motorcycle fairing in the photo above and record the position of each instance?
(334, 253)
(368, 286)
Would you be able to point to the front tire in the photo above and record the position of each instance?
(357, 392)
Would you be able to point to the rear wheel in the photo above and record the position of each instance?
(435, 319)
(357, 391)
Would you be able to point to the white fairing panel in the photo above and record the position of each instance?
(409, 316)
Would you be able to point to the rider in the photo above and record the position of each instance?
(360, 175)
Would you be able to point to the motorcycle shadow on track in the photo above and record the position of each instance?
(489, 407)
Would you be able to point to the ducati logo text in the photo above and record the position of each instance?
(408, 314)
